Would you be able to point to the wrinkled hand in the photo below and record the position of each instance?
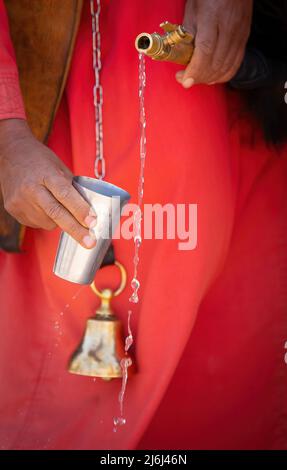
(222, 28)
(37, 187)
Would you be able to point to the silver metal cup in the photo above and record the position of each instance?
(74, 262)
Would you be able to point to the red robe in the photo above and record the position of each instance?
(210, 327)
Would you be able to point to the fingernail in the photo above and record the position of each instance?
(88, 241)
(90, 221)
(188, 82)
(178, 76)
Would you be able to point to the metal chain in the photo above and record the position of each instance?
(100, 167)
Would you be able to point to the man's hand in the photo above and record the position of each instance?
(221, 29)
(37, 187)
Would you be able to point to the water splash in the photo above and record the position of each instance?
(126, 362)
(58, 321)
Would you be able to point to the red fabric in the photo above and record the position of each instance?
(11, 103)
(210, 327)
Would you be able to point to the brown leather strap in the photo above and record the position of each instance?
(43, 34)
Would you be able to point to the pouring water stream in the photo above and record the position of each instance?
(137, 227)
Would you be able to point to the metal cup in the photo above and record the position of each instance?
(74, 262)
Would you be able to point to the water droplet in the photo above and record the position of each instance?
(138, 241)
(134, 298)
(119, 421)
(135, 284)
(128, 342)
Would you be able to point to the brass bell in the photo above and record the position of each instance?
(102, 348)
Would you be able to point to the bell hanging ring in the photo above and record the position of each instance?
(102, 349)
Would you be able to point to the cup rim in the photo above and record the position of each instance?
(101, 187)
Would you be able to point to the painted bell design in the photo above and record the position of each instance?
(102, 350)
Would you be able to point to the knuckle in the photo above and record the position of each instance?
(54, 211)
(205, 46)
(11, 204)
(81, 210)
(30, 188)
(7, 206)
(218, 63)
(74, 230)
(64, 192)
(23, 189)
(47, 180)
(26, 184)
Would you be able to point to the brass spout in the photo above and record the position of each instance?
(176, 45)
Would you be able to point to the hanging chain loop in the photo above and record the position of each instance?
(100, 167)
